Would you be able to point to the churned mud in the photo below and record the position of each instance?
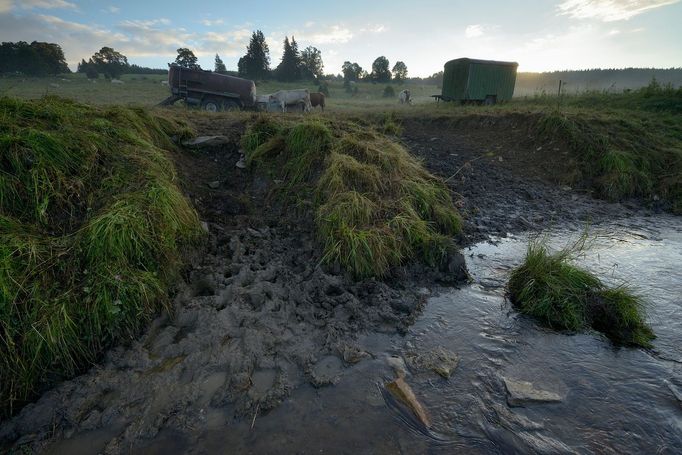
(508, 181)
(258, 316)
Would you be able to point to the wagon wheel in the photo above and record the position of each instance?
(231, 106)
(211, 105)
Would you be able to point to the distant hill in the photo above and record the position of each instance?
(612, 80)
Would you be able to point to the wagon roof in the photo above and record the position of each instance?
(484, 62)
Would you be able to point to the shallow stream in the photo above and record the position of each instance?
(614, 400)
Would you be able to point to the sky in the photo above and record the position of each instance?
(541, 35)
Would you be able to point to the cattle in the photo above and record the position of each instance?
(299, 97)
(405, 97)
(317, 99)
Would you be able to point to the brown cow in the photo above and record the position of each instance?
(317, 99)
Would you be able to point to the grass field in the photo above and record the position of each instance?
(627, 144)
(147, 90)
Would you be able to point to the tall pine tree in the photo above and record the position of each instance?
(219, 65)
(256, 63)
(289, 69)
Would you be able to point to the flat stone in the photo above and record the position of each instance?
(206, 141)
(439, 360)
(523, 392)
(398, 365)
(402, 391)
(214, 185)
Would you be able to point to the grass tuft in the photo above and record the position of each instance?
(375, 206)
(91, 223)
(559, 294)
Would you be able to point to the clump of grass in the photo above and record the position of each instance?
(91, 223)
(390, 125)
(550, 288)
(375, 206)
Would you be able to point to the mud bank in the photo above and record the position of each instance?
(508, 182)
(257, 317)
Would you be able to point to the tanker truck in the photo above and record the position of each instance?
(212, 92)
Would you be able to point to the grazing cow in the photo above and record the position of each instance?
(286, 98)
(317, 99)
(405, 97)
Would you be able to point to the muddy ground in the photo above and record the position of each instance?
(258, 316)
(506, 181)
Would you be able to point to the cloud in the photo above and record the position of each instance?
(473, 31)
(609, 10)
(112, 9)
(5, 6)
(211, 23)
(149, 38)
(46, 4)
(336, 34)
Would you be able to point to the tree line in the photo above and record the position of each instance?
(35, 59)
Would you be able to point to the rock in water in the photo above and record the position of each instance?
(439, 360)
(398, 365)
(214, 185)
(403, 392)
(522, 392)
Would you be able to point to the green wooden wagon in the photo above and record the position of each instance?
(478, 81)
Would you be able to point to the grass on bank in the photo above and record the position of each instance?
(91, 222)
(623, 156)
(559, 294)
(375, 205)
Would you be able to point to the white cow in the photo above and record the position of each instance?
(405, 97)
(292, 97)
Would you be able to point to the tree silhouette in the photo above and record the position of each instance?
(110, 62)
(187, 59)
(289, 69)
(256, 63)
(311, 63)
(380, 72)
(219, 65)
(399, 71)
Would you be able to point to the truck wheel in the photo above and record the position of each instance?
(211, 105)
(231, 106)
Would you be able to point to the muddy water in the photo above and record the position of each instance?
(614, 400)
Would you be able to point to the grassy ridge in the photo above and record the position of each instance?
(375, 205)
(548, 287)
(623, 156)
(90, 225)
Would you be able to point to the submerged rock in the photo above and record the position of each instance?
(439, 360)
(402, 391)
(326, 372)
(523, 392)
